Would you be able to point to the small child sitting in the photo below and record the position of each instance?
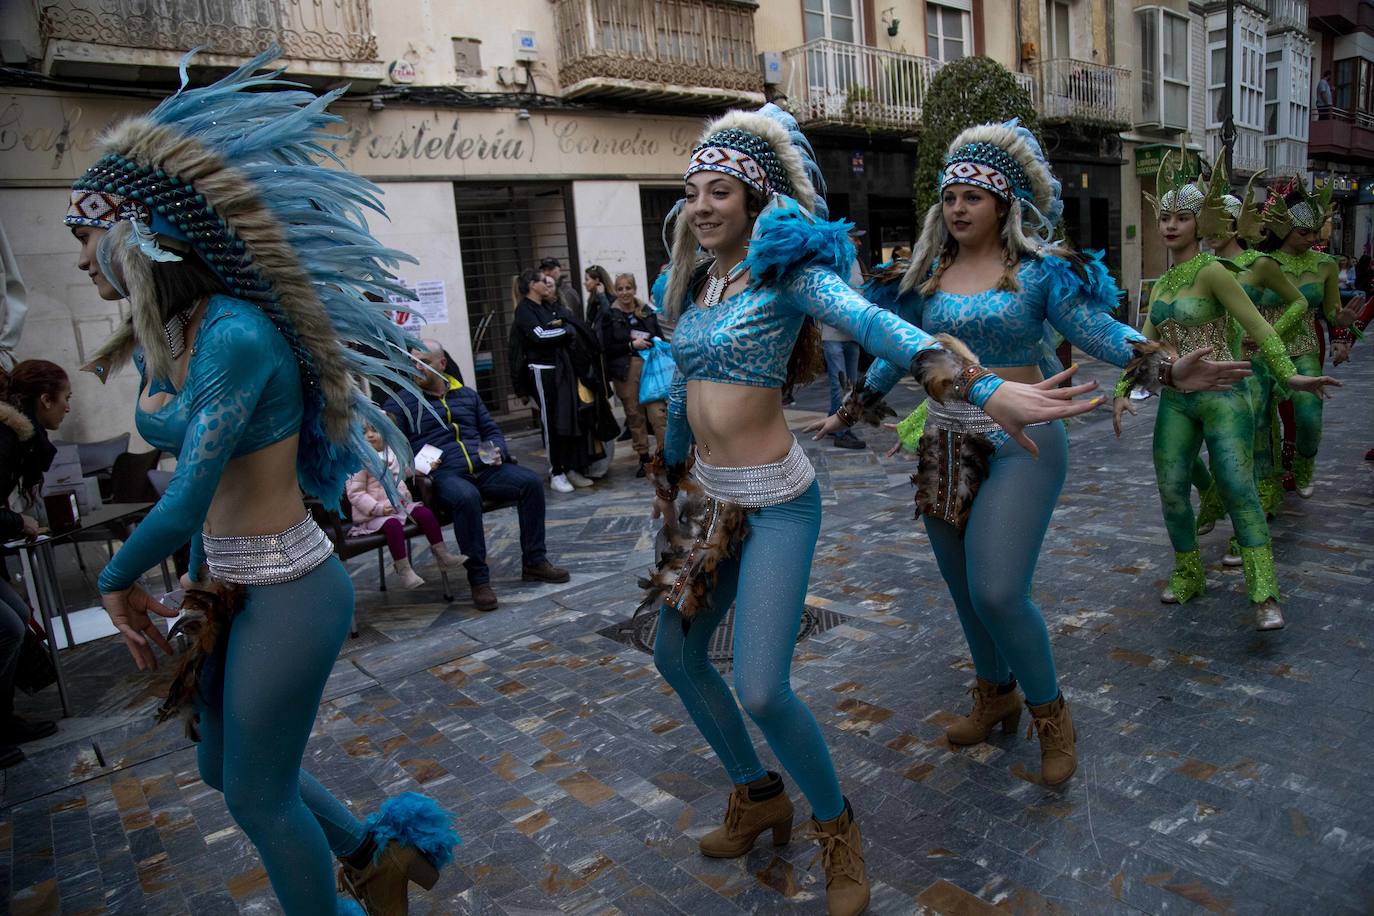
(372, 511)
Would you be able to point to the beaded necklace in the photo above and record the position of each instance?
(175, 331)
(716, 286)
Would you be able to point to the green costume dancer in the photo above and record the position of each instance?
(1292, 224)
(1283, 306)
(1191, 308)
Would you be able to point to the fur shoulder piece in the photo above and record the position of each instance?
(14, 418)
(787, 237)
(1073, 274)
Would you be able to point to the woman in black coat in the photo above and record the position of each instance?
(626, 329)
(34, 398)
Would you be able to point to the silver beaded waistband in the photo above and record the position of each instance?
(760, 485)
(268, 559)
(960, 417)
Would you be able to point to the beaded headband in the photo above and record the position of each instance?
(741, 155)
(1189, 197)
(988, 166)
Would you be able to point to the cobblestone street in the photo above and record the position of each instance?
(1221, 769)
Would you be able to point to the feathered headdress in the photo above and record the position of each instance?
(230, 173)
(766, 150)
(1310, 211)
(1006, 160)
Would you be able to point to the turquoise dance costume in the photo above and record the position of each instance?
(989, 568)
(748, 339)
(225, 180)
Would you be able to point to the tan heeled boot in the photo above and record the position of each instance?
(383, 885)
(992, 703)
(1053, 725)
(842, 855)
(409, 839)
(749, 813)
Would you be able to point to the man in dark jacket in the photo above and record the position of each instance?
(462, 479)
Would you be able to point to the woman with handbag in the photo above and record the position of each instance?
(627, 330)
(34, 398)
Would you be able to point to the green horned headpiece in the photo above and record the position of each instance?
(1176, 185)
(1222, 213)
(1310, 212)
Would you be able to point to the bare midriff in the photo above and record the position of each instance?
(1030, 375)
(258, 493)
(737, 426)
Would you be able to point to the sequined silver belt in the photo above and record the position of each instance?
(268, 559)
(960, 417)
(760, 485)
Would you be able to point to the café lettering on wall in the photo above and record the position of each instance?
(48, 138)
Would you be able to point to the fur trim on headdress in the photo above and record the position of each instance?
(770, 124)
(236, 173)
(1031, 215)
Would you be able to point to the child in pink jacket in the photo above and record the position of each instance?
(372, 511)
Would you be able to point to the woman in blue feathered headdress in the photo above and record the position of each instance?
(248, 268)
(754, 204)
(987, 270)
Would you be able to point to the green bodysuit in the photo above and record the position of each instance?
(1192, 306)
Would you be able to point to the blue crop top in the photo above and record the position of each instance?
(242, 393)
(1007, 328)
(747, 338)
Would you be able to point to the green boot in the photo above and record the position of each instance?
(1262, 586)
(1186, 581)
(1302, 474)
(1211, 509)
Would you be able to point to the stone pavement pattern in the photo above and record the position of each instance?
(1221, 770)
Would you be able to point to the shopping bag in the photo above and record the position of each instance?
(657, 375)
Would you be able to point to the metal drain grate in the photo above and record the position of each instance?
(639, 631)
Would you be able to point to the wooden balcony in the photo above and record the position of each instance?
(697, 52)
(1082, 91)
(1341, 135)
(129, 39)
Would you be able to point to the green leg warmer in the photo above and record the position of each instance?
(1187, 581)
(1271, 495)
(1302, 470)
(1261, 581)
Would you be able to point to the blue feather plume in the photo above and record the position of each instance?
(412, 819)
(278, 140)
(787, 237)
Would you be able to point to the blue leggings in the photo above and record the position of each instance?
(257, 720)
(767, 583)
(989, 569)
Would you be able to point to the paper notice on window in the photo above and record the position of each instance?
(430, 308)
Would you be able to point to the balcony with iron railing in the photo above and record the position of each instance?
(1287, 14)
(840, 84)
(123, 38)
(1285, 157)
(1079, 90)
(698, 52)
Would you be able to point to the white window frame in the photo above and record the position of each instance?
(856, 7)
(1161, 82)
(1052, 49)
(1247, 104)
(965, 9)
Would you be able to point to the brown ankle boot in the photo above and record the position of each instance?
(383, 885)
(1053, 725)
(992, 703)
(842, 855)
(750, 812)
